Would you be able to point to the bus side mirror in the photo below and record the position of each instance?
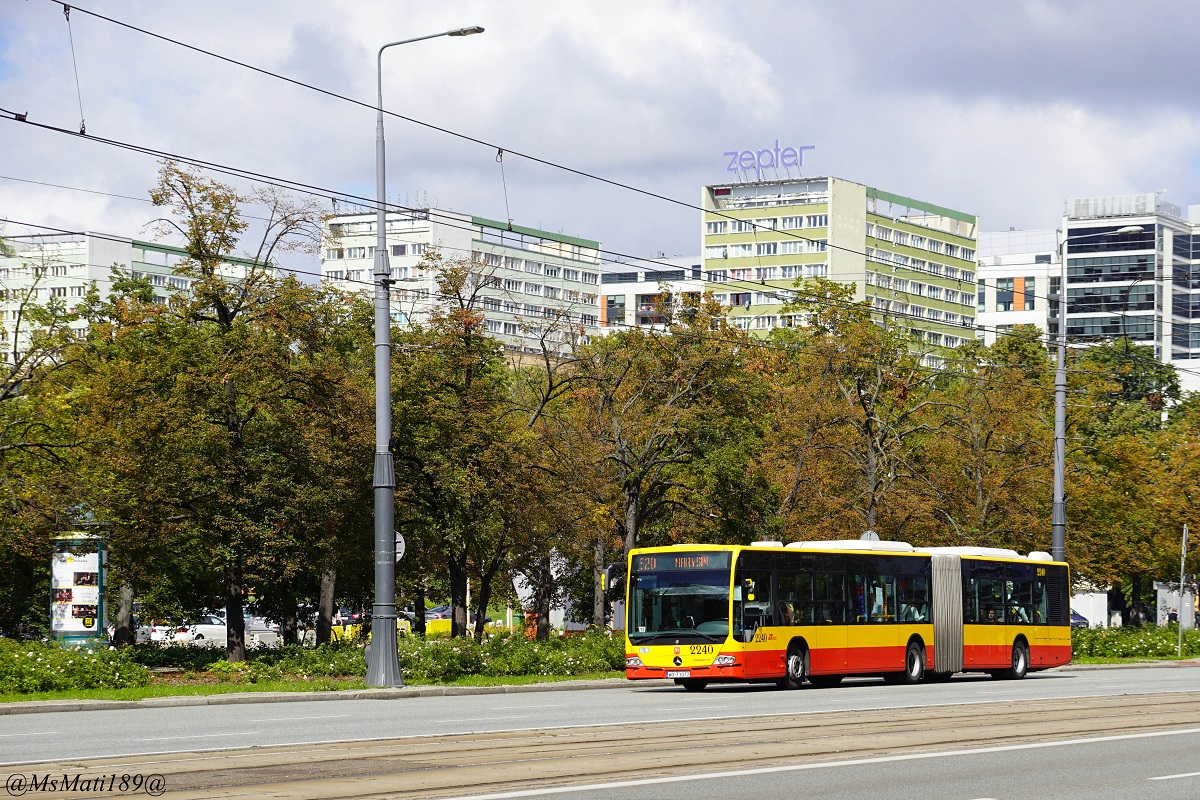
(608, 575)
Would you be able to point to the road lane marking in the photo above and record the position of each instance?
(477, 719)
(295, 719)
(518, 708)
(1173, 777)
(197, 736)
(685, 708)
(741, 773)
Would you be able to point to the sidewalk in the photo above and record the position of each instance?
(235, 698)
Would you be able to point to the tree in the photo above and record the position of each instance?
(986, 466)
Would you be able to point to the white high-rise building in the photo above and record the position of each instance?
(1132, 272)
(61, 267)
(537, 287)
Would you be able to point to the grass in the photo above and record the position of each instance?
(175, 686)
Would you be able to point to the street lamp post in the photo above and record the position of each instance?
(1058, 516)
(383, 663)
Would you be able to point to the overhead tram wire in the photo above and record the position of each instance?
(749, 340)
(745, 283)
(441, 129)
(331, 194)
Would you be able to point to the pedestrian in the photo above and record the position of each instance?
(1173, 616)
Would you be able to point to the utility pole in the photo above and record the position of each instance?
(1179, 610)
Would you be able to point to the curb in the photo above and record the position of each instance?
(1191, 662)
(237, 698)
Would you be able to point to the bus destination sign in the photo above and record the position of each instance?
(680, 562)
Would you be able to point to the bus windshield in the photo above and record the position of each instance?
(679, 597)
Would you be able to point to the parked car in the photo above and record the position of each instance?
(1078, 620)
(211, 630)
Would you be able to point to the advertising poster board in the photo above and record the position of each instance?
(77, 589)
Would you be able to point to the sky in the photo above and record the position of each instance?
(1001, 110)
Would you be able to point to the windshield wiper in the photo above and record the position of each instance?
(673, 632)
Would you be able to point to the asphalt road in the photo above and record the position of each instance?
(1140, 767)
(56, 736)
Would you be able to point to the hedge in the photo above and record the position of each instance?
(1132, 642)
(46, 667)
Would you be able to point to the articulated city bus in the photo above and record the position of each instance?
(819, 611)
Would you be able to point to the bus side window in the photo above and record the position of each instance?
(1039, 601)
(913, 593)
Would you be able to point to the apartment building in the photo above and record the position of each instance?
(536, 287)
(62, 267)
(1019, 275)
(914, 261)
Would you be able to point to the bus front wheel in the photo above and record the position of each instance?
(795, 667)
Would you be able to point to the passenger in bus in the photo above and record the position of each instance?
(1016, 613)
(786, 615)
(914, 611)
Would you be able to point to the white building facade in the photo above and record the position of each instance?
(648, 298)
(538, 288)
(62, 267)
(1018, 274)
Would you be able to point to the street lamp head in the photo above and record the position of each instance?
(1130, 229)
(466, 31)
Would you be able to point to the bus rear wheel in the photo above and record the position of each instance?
(1020, 663)
(692, 684)
(795, 667)
(914, 666)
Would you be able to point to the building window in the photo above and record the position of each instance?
(816, 271)
(494, 326)
(883, 234)
(817, 221)
(570, 274)
(356, 252)
(767, 248)
(718, 276)
(532, 267)
(551, 271)
(981, 301)
(1029, 291)
(766, 223)
(716, 251)
(791, 223)
(715, 227)
(741, 250)
(1004, 294)
(742, 226)
(765, 274)
(901, 238)
(399, 250)
(589, 277)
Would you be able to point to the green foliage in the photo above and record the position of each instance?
(1132, 642)
(45, 667)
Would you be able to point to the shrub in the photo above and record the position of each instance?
(1131, 642)
(46, 667)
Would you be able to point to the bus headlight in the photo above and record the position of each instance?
(632, 661)
(725, 661)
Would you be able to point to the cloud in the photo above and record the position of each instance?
(998, 110)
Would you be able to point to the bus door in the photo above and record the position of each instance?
(754, 619)
(828, 615)
(986, 643)
(873, 643)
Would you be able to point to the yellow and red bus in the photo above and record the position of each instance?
(820, 611)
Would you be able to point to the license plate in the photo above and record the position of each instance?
(679, 673)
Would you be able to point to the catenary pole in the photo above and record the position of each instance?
(1179, 611)
(383, 662)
